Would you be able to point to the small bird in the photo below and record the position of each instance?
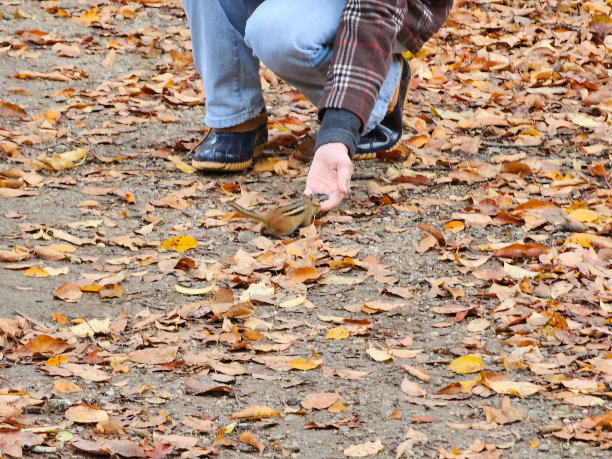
(284, 220)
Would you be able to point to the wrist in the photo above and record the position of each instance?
(339, 126)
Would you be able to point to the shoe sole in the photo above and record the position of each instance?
(227, 167)
(373, 155)
(358, 156)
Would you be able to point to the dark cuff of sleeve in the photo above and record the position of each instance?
(339, 126)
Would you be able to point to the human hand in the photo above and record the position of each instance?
(330, 174)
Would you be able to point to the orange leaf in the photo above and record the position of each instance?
(45, 344)
(86, 414)
(66, 387)
(249, 438)
(256, 412)
(36, 271)
(70, 292)
(517, 250)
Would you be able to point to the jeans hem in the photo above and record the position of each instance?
(229, 121)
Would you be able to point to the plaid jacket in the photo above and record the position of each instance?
(366, 38)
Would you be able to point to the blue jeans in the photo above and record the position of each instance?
(293, 38)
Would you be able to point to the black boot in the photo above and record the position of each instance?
(232, 149)
(388, 133)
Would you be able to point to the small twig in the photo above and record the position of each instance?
(564, 26)
(364, 177)
(510, 145)
(29, 319)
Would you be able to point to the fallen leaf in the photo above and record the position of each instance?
(364, 449)
(303, 364)
(467, 364)
(519, 389)
(66, 387)
(320, 401)
(337, 333)
(154, 355)
(249, 438)
(180, 243)
(379, 355)
(256, 412)
(70, 292)
(411, 388)
(86, 414)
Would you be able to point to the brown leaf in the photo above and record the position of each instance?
(86, 414)
(506, 415)
(320, 401)
(89, 447)
(49, 253)
(12, 257)
(422, 419)
(516, 167)
(124, 448)
(603, 420)
(411, 388)
(435, 233)
(8, 110)
(417, 373)
(517, 250)
(154, 355)
(70, 292)
(364, 449)
(178, 441)
(194, 387)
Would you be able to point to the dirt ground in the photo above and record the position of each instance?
(364, 268)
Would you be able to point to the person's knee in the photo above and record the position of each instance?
(280, 49)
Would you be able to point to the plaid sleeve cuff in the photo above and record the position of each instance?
(340, 126)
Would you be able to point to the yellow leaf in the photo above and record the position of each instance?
(66, 160)
(467, 364)
(584, 215)
(582, 239)
(194, 291)
(91, 327)
(303, 364)
(36, 271)
(336, 408)
(530, 131)
(256, 412)
(52, 116)
(57, 360)
(268, 164)
(180, 243)
(229, 428)
(88, 18)
(181, 165)
(337, 333)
